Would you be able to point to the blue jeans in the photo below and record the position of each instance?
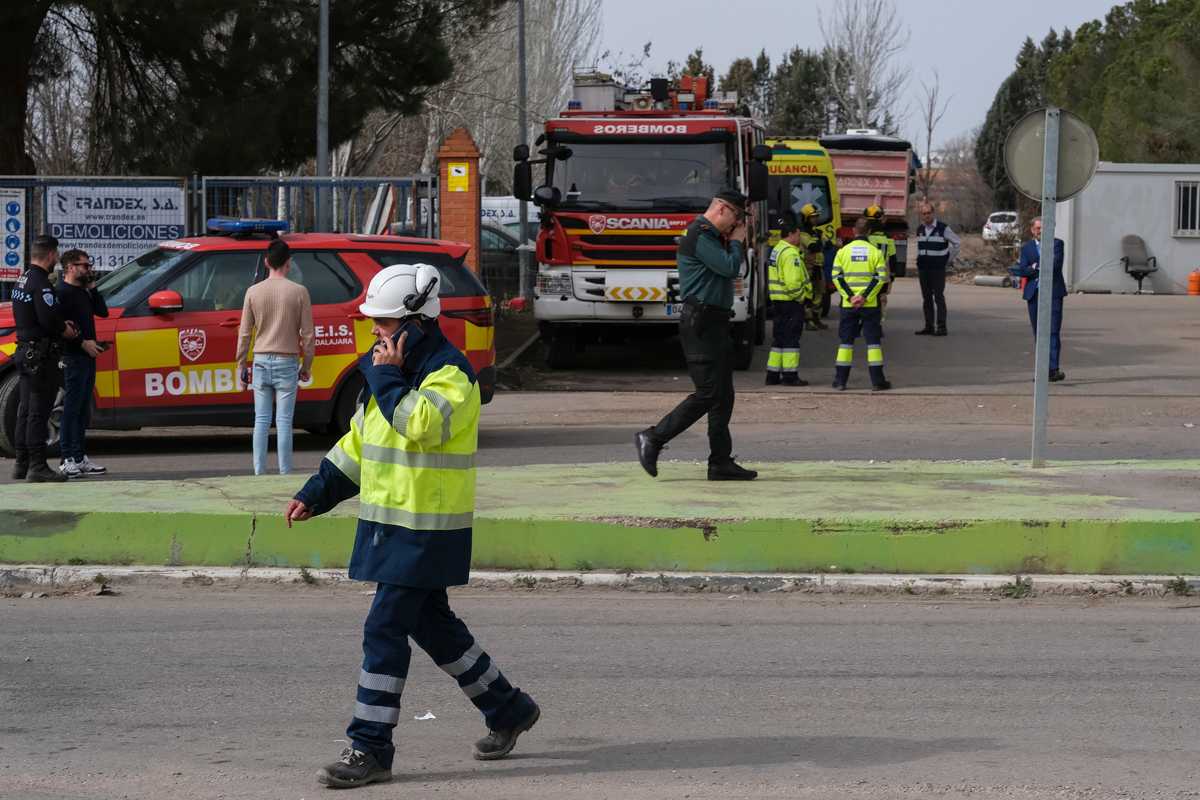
(274, 378)
(1056, 316)
(79, 382)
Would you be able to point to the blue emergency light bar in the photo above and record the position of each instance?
(234, 227)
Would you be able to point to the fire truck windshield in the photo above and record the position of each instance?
(674, 176)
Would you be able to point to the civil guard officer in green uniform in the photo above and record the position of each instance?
(410, 458)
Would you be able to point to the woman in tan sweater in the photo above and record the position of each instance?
(277, 316)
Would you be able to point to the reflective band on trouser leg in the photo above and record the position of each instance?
(791, 360)
(386, 655)
(775, 360)
(875, 355)
(845, 355)
(482, 682)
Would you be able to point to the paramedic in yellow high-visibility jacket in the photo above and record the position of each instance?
(410, 457)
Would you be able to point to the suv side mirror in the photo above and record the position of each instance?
(165, 302)
(521, 152)
(523, 180)
(757, 172)
(760, 152)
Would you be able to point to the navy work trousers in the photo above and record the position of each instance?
(933, 296)
(1056, 316)
(397, 613)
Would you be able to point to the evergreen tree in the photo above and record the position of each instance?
(227, 86)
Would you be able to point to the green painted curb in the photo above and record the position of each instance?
(901, 517)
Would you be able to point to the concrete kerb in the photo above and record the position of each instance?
(1112, 518)
(53, 577)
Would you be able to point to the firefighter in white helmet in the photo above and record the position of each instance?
(410, 457)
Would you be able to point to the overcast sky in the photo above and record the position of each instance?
(972, 43)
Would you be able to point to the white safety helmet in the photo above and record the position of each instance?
(404, 290)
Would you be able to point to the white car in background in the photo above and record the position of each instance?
(1001, 225)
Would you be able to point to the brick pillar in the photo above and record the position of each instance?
(459, 192)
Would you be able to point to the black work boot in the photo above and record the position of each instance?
(773, 379)
(941, 331)
(926, 331)
(730, 471)
(498, 744)
(20, 465)
(355, 768)
(792, 379)
(647, 450)
(41, 472)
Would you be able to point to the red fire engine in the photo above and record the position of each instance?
(626, 171)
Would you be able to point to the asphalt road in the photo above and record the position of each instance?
(1132, 390)
(211, 692)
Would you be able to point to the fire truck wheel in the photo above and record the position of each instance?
(8, 413)
(561, 347)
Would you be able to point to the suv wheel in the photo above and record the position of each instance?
(8, 413)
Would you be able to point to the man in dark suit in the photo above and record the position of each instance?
(1028, 268)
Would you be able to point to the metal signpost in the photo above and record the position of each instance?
(1046, 163)
(522, 123)
(323, 116)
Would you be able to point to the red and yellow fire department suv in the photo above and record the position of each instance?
(174, 315)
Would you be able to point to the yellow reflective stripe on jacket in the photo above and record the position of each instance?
(346, 455)
(417, 521)
(345, 462)
(427, 415)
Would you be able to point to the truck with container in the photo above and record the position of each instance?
(872, 169)
(624, 171)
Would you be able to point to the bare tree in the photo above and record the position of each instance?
(481, 95)
(963, 198)
(865, 39)
(933, 108)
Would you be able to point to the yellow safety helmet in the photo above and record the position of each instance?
(809, 211)
(874, 213)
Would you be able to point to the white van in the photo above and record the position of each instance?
(504, 213)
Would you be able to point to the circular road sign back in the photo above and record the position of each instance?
(1025, 150)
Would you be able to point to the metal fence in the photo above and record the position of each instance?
(357, 205)
(116, 218)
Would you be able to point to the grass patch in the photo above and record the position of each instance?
(1019, 589)
(1179, 586)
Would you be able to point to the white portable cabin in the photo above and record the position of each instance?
(1158, 202)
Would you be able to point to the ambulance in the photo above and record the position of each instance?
(801, 172)
(174, 315)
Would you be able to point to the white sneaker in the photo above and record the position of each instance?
(70, 468)
(89, 467)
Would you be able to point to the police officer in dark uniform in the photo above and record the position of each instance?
(710, 256)
(40, 331)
